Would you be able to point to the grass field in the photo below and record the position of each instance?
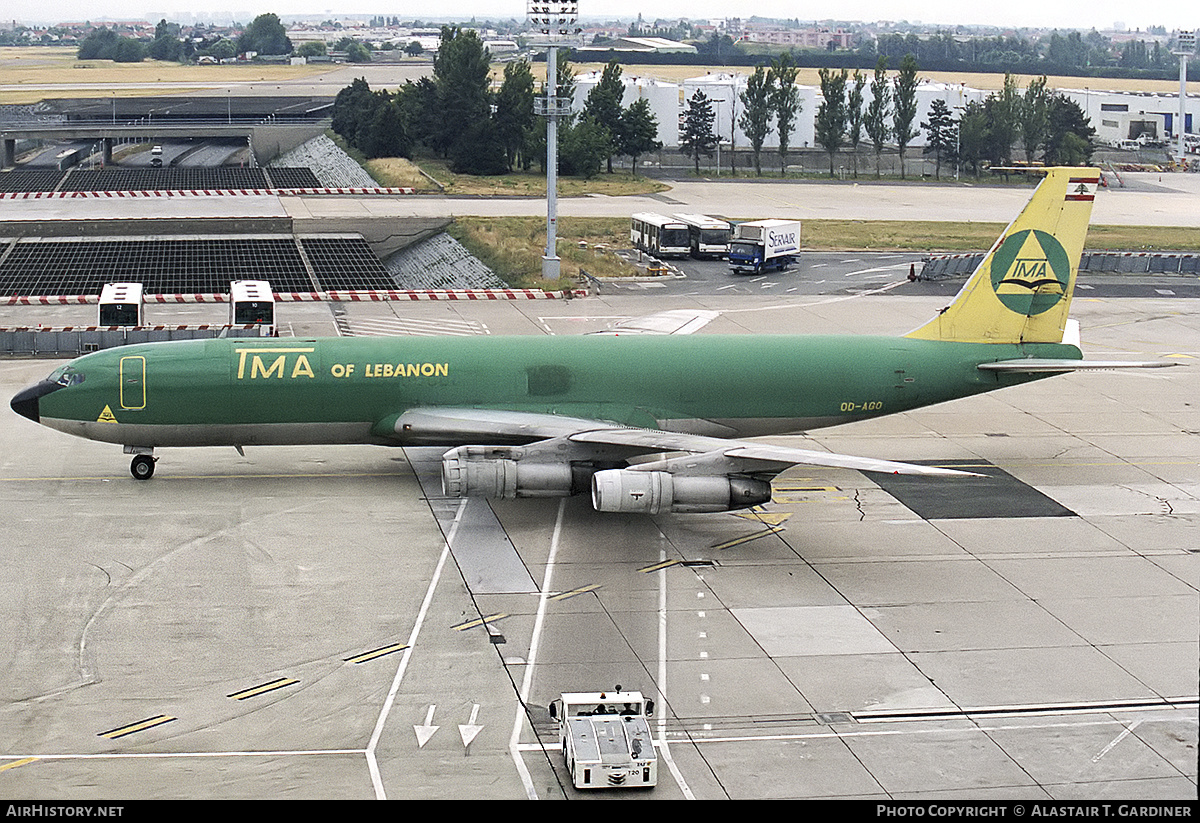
(38, 66)
(512, 247)
(57, 65)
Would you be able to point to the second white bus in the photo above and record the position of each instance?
(708, 236)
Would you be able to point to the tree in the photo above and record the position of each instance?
(223, 49)
(1071, 136)
(514, 109)
(755, 119)
(564, 74)
(1034, 108)
(166, 44)
(414, 49)
(98, 45)
(696, 136)
(265, 35)
(356, 52)
(382, 134)
(785, 101)
(854, 116)
(418, 105)
(129, 50)
(876, 119)
(942, 136)
(105, 44)
(460, 73)
(351, 107)
(905, 111)
(603, 104)
(831, 114)
(313, 48)
(639, 131)
(1005, 119)
(583, 145)
(974, 136)
(479, 150)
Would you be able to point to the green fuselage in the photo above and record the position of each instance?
(351, 390)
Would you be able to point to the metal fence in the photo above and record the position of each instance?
(949, 266)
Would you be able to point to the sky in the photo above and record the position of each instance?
(1099, 14)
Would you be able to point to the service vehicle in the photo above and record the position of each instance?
(707, 236)
(252, 302)
(606, 738)
(120, 305)
(764, 245)
(660, 235)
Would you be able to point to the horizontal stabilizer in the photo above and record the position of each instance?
(1033, 365)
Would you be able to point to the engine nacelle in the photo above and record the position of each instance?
(496, 471)
(649, 492)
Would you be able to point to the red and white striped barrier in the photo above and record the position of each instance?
(77, 300)
(376, 296)
(201, 327)
(427, 294)
(47, 195)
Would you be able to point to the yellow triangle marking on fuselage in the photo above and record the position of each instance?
(106, 416)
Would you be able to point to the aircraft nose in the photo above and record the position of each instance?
(25, 403)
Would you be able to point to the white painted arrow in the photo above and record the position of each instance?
(470, 730)
(425, 732)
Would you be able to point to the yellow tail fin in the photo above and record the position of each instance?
(1021, 292)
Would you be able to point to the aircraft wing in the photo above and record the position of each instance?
(547, 437)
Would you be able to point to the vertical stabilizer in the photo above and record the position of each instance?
(1021, 292)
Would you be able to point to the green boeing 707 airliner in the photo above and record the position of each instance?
(644, 423)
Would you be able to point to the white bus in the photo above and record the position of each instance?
(252, 303)
(660, 235)
(120, 304)
(709, 236)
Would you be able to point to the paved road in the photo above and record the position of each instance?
(1146, 202)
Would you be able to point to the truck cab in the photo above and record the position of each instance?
(606, 738)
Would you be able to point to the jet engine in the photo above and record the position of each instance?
(651, 492)
(489, 471)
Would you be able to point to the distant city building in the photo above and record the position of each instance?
(801, 38)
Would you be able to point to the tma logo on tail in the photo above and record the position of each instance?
(1030, 272)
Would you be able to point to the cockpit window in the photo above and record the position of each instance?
(66, 376)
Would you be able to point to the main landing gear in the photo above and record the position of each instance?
(142, 467)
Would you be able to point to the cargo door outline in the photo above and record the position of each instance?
(133, 383)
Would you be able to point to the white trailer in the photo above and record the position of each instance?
(606, 738)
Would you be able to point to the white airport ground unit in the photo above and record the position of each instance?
(605, 738)
(662, 96)
(1114, 114)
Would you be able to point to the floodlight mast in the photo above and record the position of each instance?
(1185, 46)
(554, 24)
